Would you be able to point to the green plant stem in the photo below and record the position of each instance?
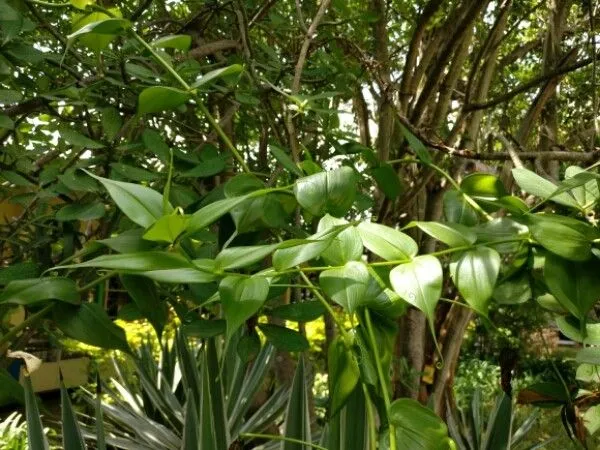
(281, 438)
(371, 426)
(200, 105)
(382, 378)
(12, 333)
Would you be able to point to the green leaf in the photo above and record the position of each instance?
(238, 257)
(154, 143)
(146, 298)
(129, 241)
(344, 375)
(483, 185)
(560, 238)
(416, 145)
(451, 234)
(79, 140)
(204, 328)
(386, 242)
(110, 26)
(346, 246)
(576, 285)
(248, 347)
(458, 210)
(81, 4)
(209, 78)
(297, 419)
(71, 433)
(419, 283)
(331, 192)
(571, 328)
(15, 178)
(582, 184)
(191, 427)
(282, 157)
(89, 323)
(36, 438)
(159, 98)
(284, 338)
(78, 181)
(167, 228)
(297, 251)
(350, 286)
(19, 271)
(111, 122)
(206, 168)
(6, 122)
(9, 96)
(133, 173)
(305, 311)
(210, 213)
(36, 290)
(498, 433)
(475, 274)
(241, 299)
(514, 291)
(387, 180)
(89, 211)
(589, 355)
(137, 262)
(417, 427)
(536, 185)
(141, 204)
(177, 41)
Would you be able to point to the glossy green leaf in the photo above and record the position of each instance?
(416, 145)
(113, 25)
(387, 180)
(237, 257)
(297, 251)
(588, 355)
(159, 98)
(297, 419)
(350, 286)
(167, 228)
(71, 432)
(347, 430)
(560, 238)
(282, 157)
(330, 192)
(36, 290)
(241, 299)
(451, 234)
(137, 262)
(513, 291)
(344, 374)
(191, 427)
(576, 285)
(6, 122)
(475, 274)
(386, 242)
(9, 96)
(572, 328)
(419, 283)
(141, 204)
(154, 143)
(201, 328)
(75, 211)
(210, 213)
(346, 246)
(111, 122)
(129, 241)
(89, 323)
(72, 137)
(36, 438)
(536, 185)
(145, 296)
(417, 427)
(499, 430)
(284, 338)
(177, 41)
(248, 346)
(458, 210)
(209, 78)
(483, 185)
(206, 168)
(133, 173)
(19, 271)
(305, 311)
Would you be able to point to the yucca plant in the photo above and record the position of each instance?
(472, 430)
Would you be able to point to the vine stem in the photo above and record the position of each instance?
(382, 379)
(236, 154)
